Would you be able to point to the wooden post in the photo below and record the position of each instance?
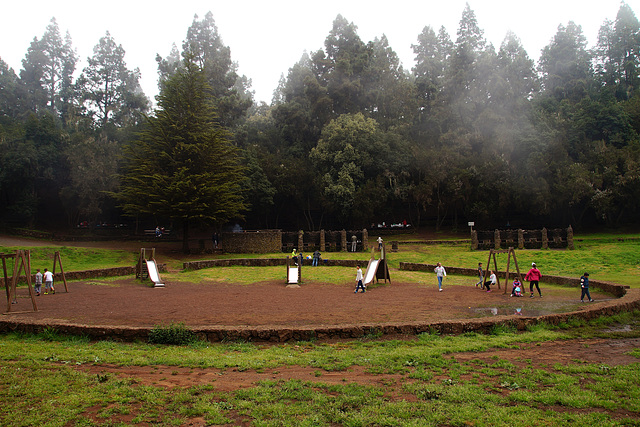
(6, 277)
(56, 257)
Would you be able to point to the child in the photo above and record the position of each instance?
(359, 280)
(516, 291)
(534, 276)
(480, 276)
(492, 281)
(584, 284)
(38, 284)
(48, 282)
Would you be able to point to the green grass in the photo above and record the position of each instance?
(421, 383)
(74, 258)
(412, 382)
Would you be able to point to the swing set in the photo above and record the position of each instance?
(22, 264)
(510, 252)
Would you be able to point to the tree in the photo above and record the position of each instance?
(565, 64)
(183, 166)
(48, 71)
(110, 91)
(231, 93)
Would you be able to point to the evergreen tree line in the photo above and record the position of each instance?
(351, 137)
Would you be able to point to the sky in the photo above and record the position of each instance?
(267, 38)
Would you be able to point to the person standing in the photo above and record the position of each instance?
(534, 276)
(440, 274)
(38, 282)
(480, 275)
(316, 258)
(584, 284)
(379, 243)
(359, 280)
(354, 243)
(48, 282)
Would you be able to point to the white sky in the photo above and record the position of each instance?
(268, 37)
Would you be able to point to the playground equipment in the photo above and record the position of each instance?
(147, 267)
(56, 257)
(510, 251)
(377, 268)
(21, 261)
(294, 271)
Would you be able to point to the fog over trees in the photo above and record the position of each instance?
(468, 132)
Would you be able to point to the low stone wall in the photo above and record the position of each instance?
(611, 288)
(262, 241)
(89, 274)
(629, 302)
(268, 262)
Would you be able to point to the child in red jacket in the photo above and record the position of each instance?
(533, 276)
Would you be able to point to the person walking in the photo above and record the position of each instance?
(48, 282)
(38, 282)
(584, 284)
(533, 276)
(480, 276)
(440, 274)
(359, 281)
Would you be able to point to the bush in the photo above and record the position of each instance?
(173, 334)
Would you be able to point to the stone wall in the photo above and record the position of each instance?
(261, 241)
(556, 238)
(611, 288)
(269, 262)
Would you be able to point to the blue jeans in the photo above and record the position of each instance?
(359, 286)
(439, 282)
(315, 262)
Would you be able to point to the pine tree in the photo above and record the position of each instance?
(183, 166)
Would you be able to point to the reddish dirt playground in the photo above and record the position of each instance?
(273, 304)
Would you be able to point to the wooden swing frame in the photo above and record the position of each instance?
(510, 252)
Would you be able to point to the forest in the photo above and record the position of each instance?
(351, 138)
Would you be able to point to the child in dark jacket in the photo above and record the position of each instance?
(584, 284)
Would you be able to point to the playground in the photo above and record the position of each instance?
(226, 308)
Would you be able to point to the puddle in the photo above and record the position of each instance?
(494, 311)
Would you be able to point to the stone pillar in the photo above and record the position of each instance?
(520, 238)
(545, 239)
(365, 240)
(570, 238)
(323, 242)
(343, 240)
(300, 241)
(496, 239)
(474, 240)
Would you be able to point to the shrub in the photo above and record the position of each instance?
(173, 334)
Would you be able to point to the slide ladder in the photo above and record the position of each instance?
(147, 267)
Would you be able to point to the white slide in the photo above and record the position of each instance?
(153, 274)
(293, 275)
(371, 271)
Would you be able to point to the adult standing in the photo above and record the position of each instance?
(584, 284)
(354, 243)
(316, 258)
(533, 276)
(440, 274)
(379, 243)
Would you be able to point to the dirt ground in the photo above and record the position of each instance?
(272, 304)
(129, 302)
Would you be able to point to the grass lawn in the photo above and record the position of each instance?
(427, 380)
